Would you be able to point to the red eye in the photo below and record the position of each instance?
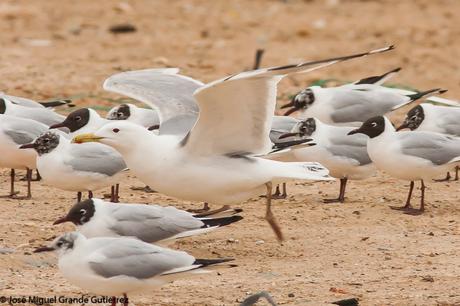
(116, 130)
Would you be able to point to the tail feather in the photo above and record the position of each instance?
(213, 222)
(419, 95)
(302, 171)
(378, 79)
(55, 103)
(202, 263)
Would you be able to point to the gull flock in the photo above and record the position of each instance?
(218, 143)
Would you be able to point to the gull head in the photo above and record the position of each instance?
(44, 143)
(413, 118)
(62, 244)
(120, 112)
(302, 100)
(121, 135)
(79, 214)
(372, 127)
(2, 105)
(302, 129)
(77, 119)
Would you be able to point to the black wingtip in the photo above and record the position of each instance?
(221, 221)
(211, 262)
(56, 103)
(426, 93)
(347, 302)
(377, 78)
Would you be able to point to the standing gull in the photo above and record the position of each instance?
(219, 160)
(434, 118)
(42, 115)
(409, 155)
(15, 131)
(121, 266)
(344, 156)
(77, 167)
(149, 223)
(351, 104)
(145, 117)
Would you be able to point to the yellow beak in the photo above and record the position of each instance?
(89, 137)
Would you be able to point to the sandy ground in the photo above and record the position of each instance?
(362, 248)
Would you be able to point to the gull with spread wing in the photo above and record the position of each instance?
(219, 160)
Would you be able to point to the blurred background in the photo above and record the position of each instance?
(57, 48)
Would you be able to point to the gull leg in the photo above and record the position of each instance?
(126, 299)
(79, 196)
(341, 198)
(284, 194)
(456, 173)
(112, 193)
(90, 194)
(117, 192)
(446, 179)
(407, 206)
(12, 193)
(416, 212)
(29, 180)
(114, 301)
(269, 214)
(38, 177)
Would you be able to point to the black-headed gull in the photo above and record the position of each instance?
(218, 161)
(434, 118)
(409, 155)
(76, 167)
(146, 117)
(344, 156)
(121, 266)
(42, 115)
(149, 223)
(16, 131)
(83, 120)
(351, 104)
(31, 103)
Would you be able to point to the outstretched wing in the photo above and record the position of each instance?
(164, 90)
(236, 112)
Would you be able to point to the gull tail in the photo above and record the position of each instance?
(219, 222)
(199, 264)
(210, 224)
(55, 103)
(378, 79)
(420, 95)
(299, 171)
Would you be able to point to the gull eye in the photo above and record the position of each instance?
(120, 114)
(115, 130)
(78, 118)
(413, 117)
(374, 124)
(83, 212)
(59, 244)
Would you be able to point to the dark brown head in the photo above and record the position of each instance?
(373, 127)
(79, 214)
(413, 118)
(302, 100)
(121, 112)
(75, 120)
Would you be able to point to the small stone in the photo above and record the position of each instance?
(291, 295)
(260, 242)
(428, 278)
(6, 250)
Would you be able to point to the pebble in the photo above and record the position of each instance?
(260, 242)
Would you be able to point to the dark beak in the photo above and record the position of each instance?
(288, 135)
(57, 125)
(61, 220)
(43, 249)
(402, 126)
(357, 131)
(290, 111)
(28, 146)
(154, 127)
